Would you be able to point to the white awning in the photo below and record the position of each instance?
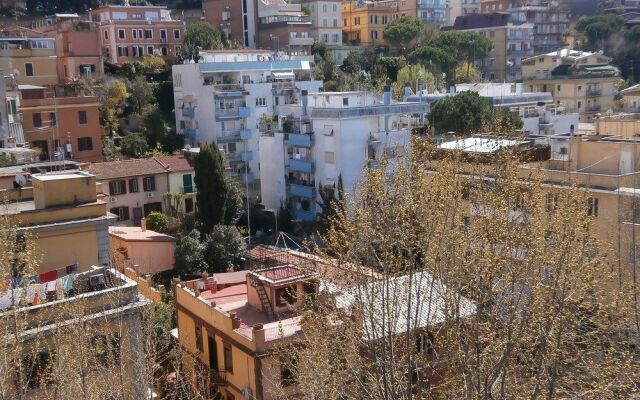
(283, 75)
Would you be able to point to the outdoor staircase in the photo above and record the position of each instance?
(264, 299)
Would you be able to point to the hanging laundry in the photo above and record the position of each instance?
(49, 276)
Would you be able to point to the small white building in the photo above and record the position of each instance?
(337, 136)
(222, 98)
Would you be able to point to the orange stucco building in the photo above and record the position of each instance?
(62, 125)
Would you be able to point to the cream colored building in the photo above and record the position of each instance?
(143, 250)
(631, 98)
(29, 55)
(326, 21)
(582, 82)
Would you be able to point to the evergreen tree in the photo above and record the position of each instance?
(212, 189)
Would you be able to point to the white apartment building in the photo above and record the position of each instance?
(337, 135)
(222, 99)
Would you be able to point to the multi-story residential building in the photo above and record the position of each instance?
(580, 81)
(233, 336)
(237, 19)
(223, 98)
(181, 183)
(631, 98)
(538, 113)
(284, 27)
(98, 311)
(59, 209)
(512, 42)
(28, 55)
(77, 45)
(550, 23)
(143, 250)
(128, 32)
(63, 123)
(364, 22)
(326, 21)
(335, 138)
(132, 188)
(430, 12)
(11, 132)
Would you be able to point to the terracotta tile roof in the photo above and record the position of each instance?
(176, 163)
(125, 168)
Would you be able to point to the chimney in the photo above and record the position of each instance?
(143, 224)
(387, 95)
(305, 102)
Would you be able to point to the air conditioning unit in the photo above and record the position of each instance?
(149, 194)
(113, 199)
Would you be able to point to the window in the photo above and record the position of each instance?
(134, 33)
(345, 101)
(579, 104)
(28, 69)
(285, 296)
(164, 51)
(592, 206)
(329, 157)
(335, 22)
(335, 8)
(325, 37)
(373, 19)
(138, 51)
(335, 38)
(85, 144)
(385, 19)
(37, 120)
(117, 187)
(123, 51)
(149, 183)
(150, 50)
(198, 337)
(324, 8)
(136, 16)
(38, 369)
(148, 34)
(558, 88)
(106, 34)
(563, 151)
(82, 117)
(176, 33)
(121, 212)
(133, 185)
(374, 35)
(121, 34)
(287, 368)
(324, 22)
(52, 119)
(424, 343)
(163, 34)
(261, 101)
(188, 205)
(228, 358)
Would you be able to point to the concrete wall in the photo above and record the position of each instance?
(272, 173)
(148, 257)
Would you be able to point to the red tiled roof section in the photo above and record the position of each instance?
(176, 163)
(125, 168)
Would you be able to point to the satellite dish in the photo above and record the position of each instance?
(16, 73)
(246, 392)
(19, 181)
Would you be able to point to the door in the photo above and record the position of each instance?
(213, 353)
(137, 215)
(187, 183)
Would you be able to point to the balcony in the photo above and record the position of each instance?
(300, 41)
(247, 178)
(242, 156)
(303, 215)
(302, 189)
(234, 136)
(302, 165)
(594, 92)
(228, 91)
(232, 113)
(520, 53)
(188, 112)
(190, 133)
(594, 108)
(432, 4)
(299, 140)
(186, 189)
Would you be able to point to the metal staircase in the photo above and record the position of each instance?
(264, 299)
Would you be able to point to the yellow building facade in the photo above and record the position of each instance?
(64, 218)
(364, 23)
(580, 81)
(29, 55)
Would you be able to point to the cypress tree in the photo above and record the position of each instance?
(212, 189)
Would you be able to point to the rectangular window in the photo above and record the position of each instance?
(133, 185)
(123, 51)
(117, 187)
(165, 52)
(228, 358)
(188, 205)
(28, 69)
(121, 34)
(149, 183)
(85, 144)
(198, 337)
(329, 157)
(37, 120)
(176, 33)
(592, 206)
(121, 212)
(38, 368)
(286, 296)
(134, 33)
(261, 101)
(82, 117)
(374, 35)
(150, 50)
(148, 34)
(345, 101)
(53, 120)
(106, 35)
(163, 34)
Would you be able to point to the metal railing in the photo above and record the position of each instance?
(594, 91)
(282, 330)
(231, 87)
